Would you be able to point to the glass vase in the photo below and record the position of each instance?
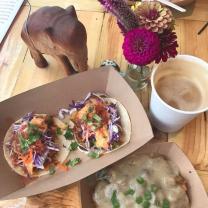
(137, 76)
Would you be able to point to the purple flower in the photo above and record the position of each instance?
(168, 45)
(125, 16)
(141, 46)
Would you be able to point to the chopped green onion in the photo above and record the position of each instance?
(73, 162)
(129, 192)
(52, 170)
(147, 195)
(146, 204)
(153, 188)
(139, 199)
(73, 146)
(58, 131)
(140, 180)
(97, 118)
(84, 117)
(93, 155)
(114, 200)
(69, 134)
(166, 203)
(90, 109)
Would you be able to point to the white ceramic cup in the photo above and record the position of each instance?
(165, 117)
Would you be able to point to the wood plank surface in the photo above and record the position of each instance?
(18, 73)
(86, 5)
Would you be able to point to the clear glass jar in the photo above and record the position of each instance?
(137, 76)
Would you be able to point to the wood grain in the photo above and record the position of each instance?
(12, 54)
(86, 5)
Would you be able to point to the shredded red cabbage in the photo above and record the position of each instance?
(40, 159)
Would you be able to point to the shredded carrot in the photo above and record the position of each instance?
(28, 158)
(28, 161)
(62, 167)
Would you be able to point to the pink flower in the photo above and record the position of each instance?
(141, 46)
(168, 45)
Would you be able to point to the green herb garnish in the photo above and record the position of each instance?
(129, 192)
(141, 180)
(69, 134)
(52, 170)
(73, 162)
(23, 143)
(146, 204)
(114, 200)
(73, 146)
(139, 199)
(147, 195)
(93, 155)
(166, 203)
(84, 117)
(58, 131)
(97, 118)
(90, 109)
(32, 127)
(153, 188)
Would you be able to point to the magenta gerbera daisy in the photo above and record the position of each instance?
(141, 46)
(168, 45)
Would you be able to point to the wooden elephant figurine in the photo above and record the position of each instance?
(59, 33)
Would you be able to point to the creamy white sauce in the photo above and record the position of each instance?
(154, 170)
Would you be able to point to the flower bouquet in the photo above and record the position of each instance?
(148, 29)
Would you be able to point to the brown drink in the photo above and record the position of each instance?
(182, 87)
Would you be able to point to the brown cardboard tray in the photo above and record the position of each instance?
(48, 99)
(196, 191)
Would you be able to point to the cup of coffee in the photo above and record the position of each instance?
(179, 92)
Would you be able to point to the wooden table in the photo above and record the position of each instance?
(18, 73)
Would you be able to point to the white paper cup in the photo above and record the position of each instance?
(165, 117)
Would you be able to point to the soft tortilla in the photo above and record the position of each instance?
(125, 124)
(61, 156)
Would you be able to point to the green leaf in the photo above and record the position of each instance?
(166, 203)
(146, 204)
(147, 195)
(139, 199)
(129, 192)
(52, 170)
(69, 134)
(94, 155)
(90, 109)
(32, 127)
(23, 143)
(73, 162)
(114, 200)
(84, 117)
(153, 188)
(73, 146)
(97, 118)
(33, 137)
(58, 131)
(140, 180)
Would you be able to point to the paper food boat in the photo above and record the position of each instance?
(196, 191)
(49, 99)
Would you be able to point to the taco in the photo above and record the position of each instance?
(101, 123)
(35, 144)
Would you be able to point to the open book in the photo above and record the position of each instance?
(8, 11)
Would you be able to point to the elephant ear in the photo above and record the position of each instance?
(48, 36)
(71, 10)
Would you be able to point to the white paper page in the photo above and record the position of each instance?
(8, 11)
